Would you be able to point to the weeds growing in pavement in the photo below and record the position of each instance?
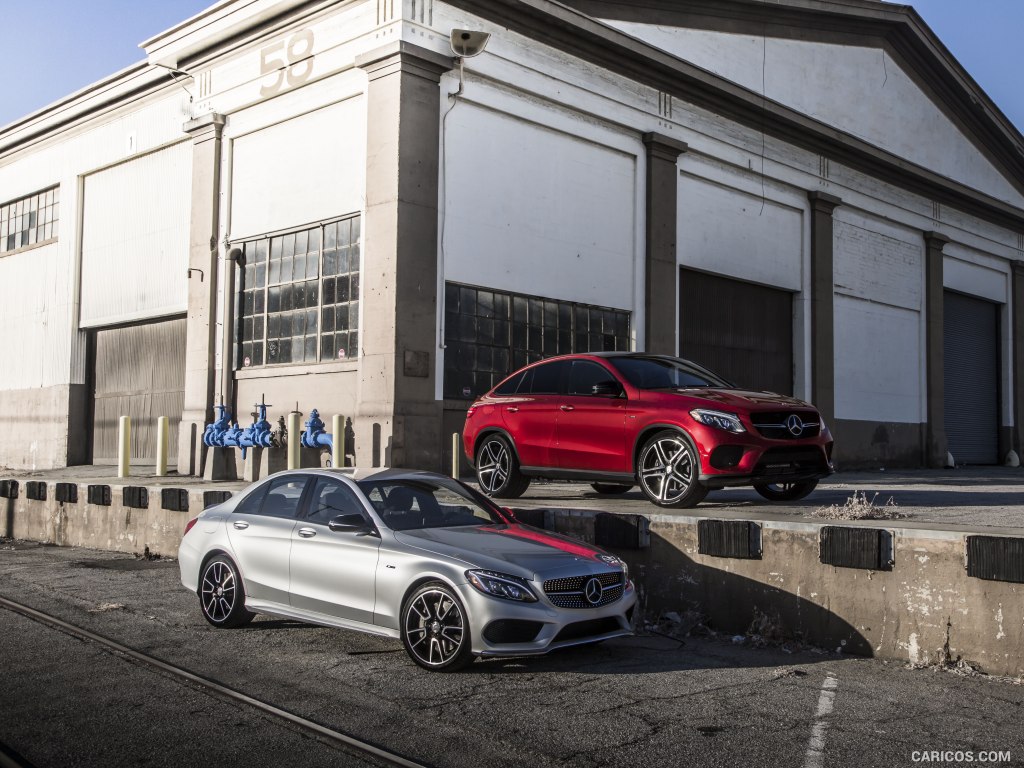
(860, 507)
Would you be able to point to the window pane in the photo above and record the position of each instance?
(280, 291)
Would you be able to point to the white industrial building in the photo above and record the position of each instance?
(286, 199)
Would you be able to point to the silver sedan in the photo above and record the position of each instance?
(404, 554)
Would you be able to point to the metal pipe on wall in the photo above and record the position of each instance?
(234, 259)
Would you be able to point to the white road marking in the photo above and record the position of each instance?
(816, 746)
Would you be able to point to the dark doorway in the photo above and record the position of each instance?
(741, 331)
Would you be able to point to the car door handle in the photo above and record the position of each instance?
(241, 525)
(567, 407)
(512, 409)
(307, 533)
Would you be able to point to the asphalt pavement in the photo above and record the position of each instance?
(650, 700)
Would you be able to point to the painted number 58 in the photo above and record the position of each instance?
(293, 64)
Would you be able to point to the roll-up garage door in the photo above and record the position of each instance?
(138, 371)
(739, 330)
(971, 353)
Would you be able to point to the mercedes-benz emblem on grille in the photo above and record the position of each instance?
(795, 425)
(592, 591)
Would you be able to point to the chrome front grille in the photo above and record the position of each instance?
(569, 592)
(775, 426)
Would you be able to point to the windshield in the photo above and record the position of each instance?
(665, 373)
(406, 504)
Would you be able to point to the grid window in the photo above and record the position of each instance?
(299, 298)
(30, 220)
(488, 334)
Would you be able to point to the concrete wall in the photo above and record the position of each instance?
(925, 610)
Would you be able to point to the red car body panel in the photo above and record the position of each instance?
(597, 438)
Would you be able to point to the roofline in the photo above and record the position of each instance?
(69, 102)
(578, 34)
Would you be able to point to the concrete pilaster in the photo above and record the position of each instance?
(1017, 329)
(202, 291)
(823, 379)
(661, 283)
(398, 413)
(935, 444)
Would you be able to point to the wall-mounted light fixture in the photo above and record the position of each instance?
(466, 43)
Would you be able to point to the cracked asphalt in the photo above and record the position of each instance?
(649, 700)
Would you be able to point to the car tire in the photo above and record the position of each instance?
(435, 628)
(611, 489)
(497, 469)
(786, 491)
(222, 595)
(668, 469)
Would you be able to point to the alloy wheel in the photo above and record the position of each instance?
(218, 591)
(666, 470)
(435, 628)
(493, 465)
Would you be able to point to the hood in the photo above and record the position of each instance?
(741, 398)
(519, 550)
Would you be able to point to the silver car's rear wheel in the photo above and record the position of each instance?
(221, 594)
(434, 629)
(668, 470)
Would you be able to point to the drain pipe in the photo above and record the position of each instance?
(235, 258)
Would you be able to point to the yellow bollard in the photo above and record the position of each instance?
(162, 427)
(455, 455)
(124, 443)
(338, 433)
(294, 442)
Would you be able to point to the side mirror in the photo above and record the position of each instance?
(609, 388)
(353, 522)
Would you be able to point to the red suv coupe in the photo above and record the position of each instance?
(618, 419)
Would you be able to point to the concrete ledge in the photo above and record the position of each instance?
(926, 609)
(131, 522)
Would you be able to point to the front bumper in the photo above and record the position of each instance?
(558, 627)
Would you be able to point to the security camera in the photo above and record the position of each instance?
(467, 43)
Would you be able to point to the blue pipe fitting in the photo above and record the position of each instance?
(314, 436)
(214, 433)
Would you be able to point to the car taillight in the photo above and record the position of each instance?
(471, 410)
(189, 525)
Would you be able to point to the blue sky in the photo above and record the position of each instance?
(54, 47)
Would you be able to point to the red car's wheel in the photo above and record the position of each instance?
(668, 471)
(497, 469)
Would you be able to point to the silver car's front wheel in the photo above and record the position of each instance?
(668, 470)
(221, 594)
(434, 629)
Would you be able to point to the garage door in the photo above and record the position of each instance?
(138, 371)
(971, 350)
(739, 330)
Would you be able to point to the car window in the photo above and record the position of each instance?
(509, 386)
(412, 504)
(665, 373)
(585, 375)
(250, 505)
(549, 378)
(283, 495)
(332, 498)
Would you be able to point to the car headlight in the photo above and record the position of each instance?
(501, 585)
(730, 422)
(617, 561)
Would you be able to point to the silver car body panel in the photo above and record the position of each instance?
(359, 581)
